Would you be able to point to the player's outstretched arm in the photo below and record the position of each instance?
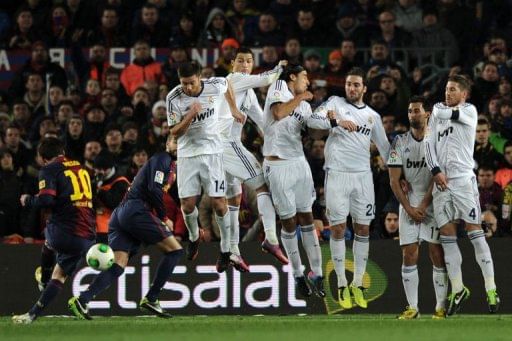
(230, 99)
(180, 128)
(284, 109)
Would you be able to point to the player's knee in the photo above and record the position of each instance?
(436, 255)
(305, 218)
(188, 205)
(235, 200)
(410, 255)
(220, 206)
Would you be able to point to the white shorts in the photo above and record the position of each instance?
(460, 201)
(411, 232)
(202, 171)
(349, 193)
(241, 164)
(291, 186)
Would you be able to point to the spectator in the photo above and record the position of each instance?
(55, 97)
(486, 85)
(143, 68)
(505, 89)
(228, 53)
(97, 66)
(306, 29)
(109, 34)
(320, 94)
(216, 29)
(91, 150)
(40, 63)
(491, 194)
(24, 34)
(185, 34)
(150, 28)
(379, 102)
(349, 27)
(94, 122)
(389, 33)
(115, 146)
(333, 74)
(139, 158)
(408, 15)
(292, 52)
(269, 58)
(433, 36)
(244, 19)
(81, 14)
(73, 138)
(390, 224)
(35, 95)
(348, 55)
(268, 32)
(504, 173)
(109, 103)
(10, 192)
(379, 57)
(21, 117)
(490, 224)
(113, 81)
(21, 155)
(177, 56)
(59, 33)
(313, 66)
(152, 136)
(485, 154)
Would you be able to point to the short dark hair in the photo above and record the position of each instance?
(507, 144)
(482, 121)
(291, 69)
(427, 105)
(50, 147)
(189, 69)
(462, 81)
(244, 49)
(357, 71)
(487, 167)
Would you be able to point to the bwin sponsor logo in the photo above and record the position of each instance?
(364, 130)
(416, 164)
(203, 115)
(446, 132)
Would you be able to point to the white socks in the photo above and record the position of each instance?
(191, 223)
(312, 247)
(234, 228)
(360, 249)
(268, 217)
(453, 260)
(224, 228)
(410, 281)
(440, 280)
(338, 250)
(483, 257)
(291, 246)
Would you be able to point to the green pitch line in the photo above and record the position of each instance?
(263, 328)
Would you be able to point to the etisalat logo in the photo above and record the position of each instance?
(201, 286)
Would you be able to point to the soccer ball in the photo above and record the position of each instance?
(100, 257)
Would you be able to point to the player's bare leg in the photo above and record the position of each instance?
(312, 247)
(439, 278)
(220, 207)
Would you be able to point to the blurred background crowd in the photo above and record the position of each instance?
(112, 119)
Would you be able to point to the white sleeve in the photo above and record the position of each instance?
(242, 82)
(395, 153)
(255, 112)
(465, 114)
(430, 145)
(380, 139)
(220, 83)
(174, 115)
(276, 93)
(318, 119)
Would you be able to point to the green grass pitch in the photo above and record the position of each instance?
(263, 328)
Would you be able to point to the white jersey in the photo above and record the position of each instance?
(350, 151)
(202, 136)
(409, 154)
(450, 140)
(283, 137)
(246, 101)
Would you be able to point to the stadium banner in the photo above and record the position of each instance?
(197, 289)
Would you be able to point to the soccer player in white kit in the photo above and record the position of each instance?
(416, 216)
(241, 165)
(349, 180)
(192, 114)
(288, 174)
(449, 146)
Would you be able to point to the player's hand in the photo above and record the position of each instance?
(195, 108)
(283, 63)
(239, 116)
(24, 199)
(406, 186)
(417, 214)
(306, 96)
(441, 181)
(348, 125)
(331, 115)
(169, 224)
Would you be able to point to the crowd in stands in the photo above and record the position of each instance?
(120, 114)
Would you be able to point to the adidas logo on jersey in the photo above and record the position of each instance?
(364, 130)
(203, 115)
(416, 164)
(446, 132)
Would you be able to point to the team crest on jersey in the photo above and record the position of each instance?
(159, 177)
(393, 154)
(211, 99)
(370, 120)
(277, 94)
(42, 184)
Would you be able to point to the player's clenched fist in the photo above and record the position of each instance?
(195, 108)
(348, 125)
